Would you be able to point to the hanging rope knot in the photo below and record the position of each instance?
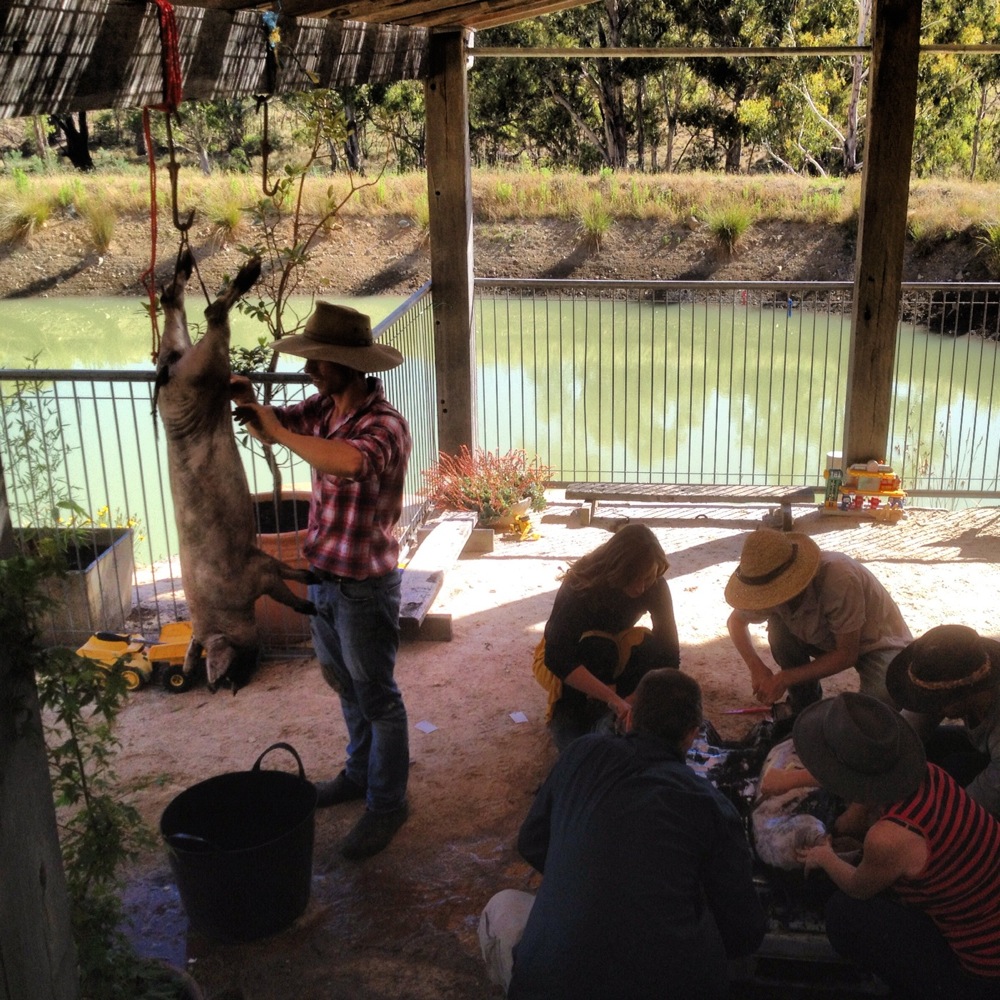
(170, 56)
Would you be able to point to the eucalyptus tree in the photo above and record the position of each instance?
(957, 92)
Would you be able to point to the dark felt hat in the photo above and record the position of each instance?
(860, 749)
(946, 665)
(342, 335)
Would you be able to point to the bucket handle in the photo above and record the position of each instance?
(282, 746)
(190, 842)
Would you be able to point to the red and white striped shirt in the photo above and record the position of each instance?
(959, 888)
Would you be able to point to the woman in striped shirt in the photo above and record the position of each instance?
(922, 908)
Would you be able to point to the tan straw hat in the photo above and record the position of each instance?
(860, 749)
(342, 335)
(774, 567)
(946, 665)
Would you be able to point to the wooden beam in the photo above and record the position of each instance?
(892, 98)
(60, 56)
(446, 100)
(37, 955)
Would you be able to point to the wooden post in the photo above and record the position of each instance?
(892, 98)
(449, 193)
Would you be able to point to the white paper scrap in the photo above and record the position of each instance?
(426, 727)
(519, 716)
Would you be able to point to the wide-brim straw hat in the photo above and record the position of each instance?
(946, 665)
(774, 567)
(342, 335)
(860, 749)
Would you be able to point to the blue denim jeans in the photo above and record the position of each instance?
(356, 635)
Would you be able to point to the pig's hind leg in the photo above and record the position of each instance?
(176, 339)
(273, 574)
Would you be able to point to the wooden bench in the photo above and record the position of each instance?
(667, 493)
(423, 576)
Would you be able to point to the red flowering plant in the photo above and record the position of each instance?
(486, 482)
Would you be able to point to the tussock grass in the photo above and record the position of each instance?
(22, 218)
(730, 223)
(988, 244)
(101, 219)
(595, 220)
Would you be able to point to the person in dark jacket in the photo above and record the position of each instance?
(647, 888)
(593, 653)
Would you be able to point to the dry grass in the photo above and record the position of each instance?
(938, 209)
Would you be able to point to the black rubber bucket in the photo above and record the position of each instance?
(241, 847)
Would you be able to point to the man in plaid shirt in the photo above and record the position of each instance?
(358, 445)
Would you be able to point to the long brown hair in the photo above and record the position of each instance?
(626, 556)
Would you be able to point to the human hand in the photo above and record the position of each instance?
(815, 856)
(623, 714)
(241, 390)
(770, 689)
(259, 421)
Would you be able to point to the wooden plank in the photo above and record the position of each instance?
(423, 575)
(60, 56)
(449, 193)
(693, 493)
(892, 91)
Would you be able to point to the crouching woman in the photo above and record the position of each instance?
(593, 655)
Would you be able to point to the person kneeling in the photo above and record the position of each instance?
(647, 887)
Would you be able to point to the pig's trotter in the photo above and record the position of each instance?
(246, 276)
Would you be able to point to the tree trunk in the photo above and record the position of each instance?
(77, 139)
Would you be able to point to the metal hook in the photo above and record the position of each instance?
(174, 168)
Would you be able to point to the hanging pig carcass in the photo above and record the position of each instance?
(222, 570)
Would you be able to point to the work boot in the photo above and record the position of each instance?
(341, 789)
(373, 833)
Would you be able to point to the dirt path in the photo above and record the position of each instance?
(402, 925)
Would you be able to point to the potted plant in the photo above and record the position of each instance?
(499, 488)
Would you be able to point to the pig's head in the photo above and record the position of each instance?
(229, 662)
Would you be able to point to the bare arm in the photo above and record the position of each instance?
(739, 631)
(335, 458)
(778, 780)
(583, 680)
(891, 852)
(843, 657)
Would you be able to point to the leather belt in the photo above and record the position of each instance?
(327, 577)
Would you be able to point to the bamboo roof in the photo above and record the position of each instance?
(60, 56)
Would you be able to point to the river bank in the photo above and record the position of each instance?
(391, 255)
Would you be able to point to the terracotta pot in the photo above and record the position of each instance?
(282, 537)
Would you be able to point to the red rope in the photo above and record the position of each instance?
(172, 97)
(171, 56)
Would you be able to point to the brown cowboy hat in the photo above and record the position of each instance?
(774, 567)
(342, 335)
(944, 666)
(860, 749)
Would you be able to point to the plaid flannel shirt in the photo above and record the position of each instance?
(352, 522)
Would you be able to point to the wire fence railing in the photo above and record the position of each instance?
(87, 442)
(731, 383)
(660, 382)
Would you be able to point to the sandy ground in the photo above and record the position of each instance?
(403, 924)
